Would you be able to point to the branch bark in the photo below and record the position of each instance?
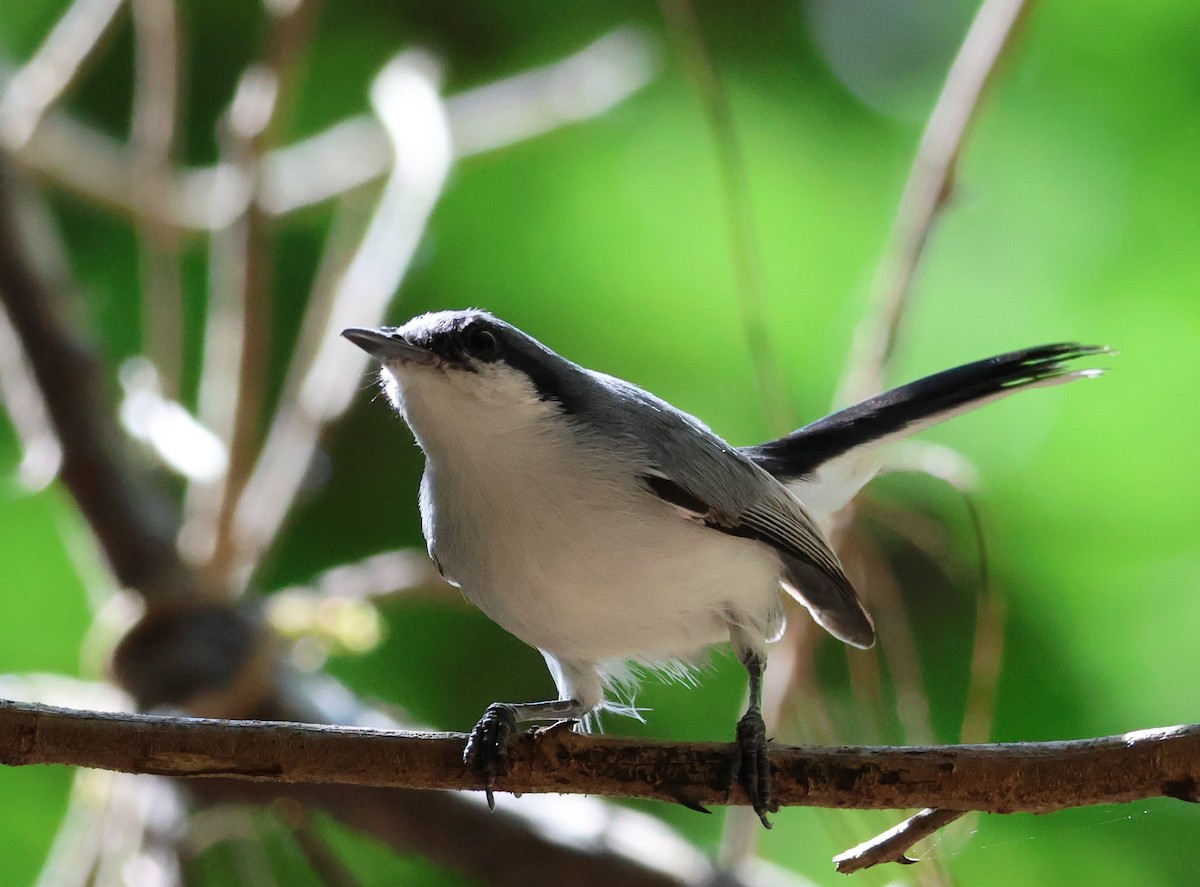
(893, 845)
(1032, 777)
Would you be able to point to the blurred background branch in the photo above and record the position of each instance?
(930, 187)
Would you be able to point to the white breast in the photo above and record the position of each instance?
(564, 549)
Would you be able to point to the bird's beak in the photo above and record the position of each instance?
(389, 346)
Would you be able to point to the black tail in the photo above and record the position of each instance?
(909, 408)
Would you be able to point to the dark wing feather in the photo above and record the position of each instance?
(811, 571)
(919, 404)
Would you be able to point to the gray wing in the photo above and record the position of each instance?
(711, 483)
(812, 573)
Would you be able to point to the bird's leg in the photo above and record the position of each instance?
(751, 766)
(486, 751)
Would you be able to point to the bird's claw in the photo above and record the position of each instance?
(486, 751)
(751, 765)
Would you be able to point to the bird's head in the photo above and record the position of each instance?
(461, 369)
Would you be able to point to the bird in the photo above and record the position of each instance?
(616, 533)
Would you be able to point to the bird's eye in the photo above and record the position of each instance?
(482, 343)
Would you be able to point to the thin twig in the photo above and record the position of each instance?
(198, 534)
(77, 844)
(41, 453)
(406, 100)
(739, 209)
(925, 193)
(234, 284)
(250, 136)
(583, 847)
(237, 346)
(578, 87)
(402, 573)
(152, 140)
(987, 653)
(892, 845)
(66, 153)
(321, 858)
(929, 187)
(132, 520)
(899, 650)
(55, 65)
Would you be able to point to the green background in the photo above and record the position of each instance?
(1076, 216)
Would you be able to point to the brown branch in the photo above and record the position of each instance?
(893, 844)
(1032, 777)
(132, 520)
(233, 381)
(929, 186)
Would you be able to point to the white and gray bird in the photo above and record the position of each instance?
(606, 528)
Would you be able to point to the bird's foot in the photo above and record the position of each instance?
(562, 725)
(486, 751)
(751, 766)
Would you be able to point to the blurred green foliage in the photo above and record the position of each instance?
(1075, 217)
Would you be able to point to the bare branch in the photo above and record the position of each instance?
(899, 653)
(404, 572)
(582, 840)
(76, 848)
(929, 186)
(1033, 777)
(321, 858)
(52, 69)
(131, 519)
(152, 140)
(323, 380)
(495, 115)
(41, 453)
(580, 86)
(238, 334)
(893, 844)
(505, 849)
(987, 654)
(69, 154)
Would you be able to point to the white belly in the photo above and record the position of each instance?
(589, 569)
